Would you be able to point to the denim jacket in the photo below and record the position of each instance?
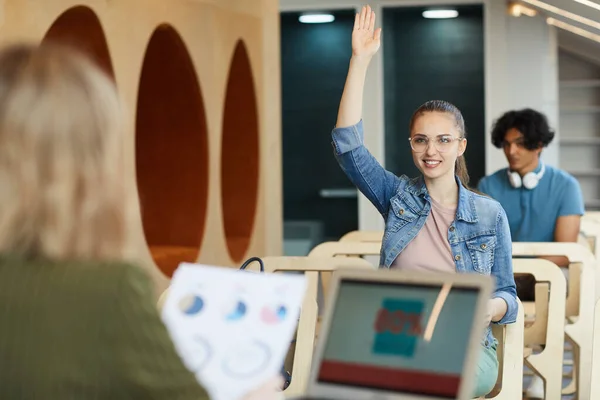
(479, 237)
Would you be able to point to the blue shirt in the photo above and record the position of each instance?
(532, 213)
(479, 237)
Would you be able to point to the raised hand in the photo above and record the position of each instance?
(365, 39)
(365, 43)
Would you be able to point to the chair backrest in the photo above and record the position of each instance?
(579, 331)
(590, 230)
(595, 390)
(308, 322)
(583, 240)
(362, 236)
(595, 215)
(313, 263)
(346, 248)
(548, 328)
(510, 358)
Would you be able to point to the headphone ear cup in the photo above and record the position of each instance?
(515, 179)
(530, 180)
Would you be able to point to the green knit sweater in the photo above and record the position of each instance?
(82, 330)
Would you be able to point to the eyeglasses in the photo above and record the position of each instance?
(443, 143)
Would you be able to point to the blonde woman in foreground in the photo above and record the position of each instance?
(76, 320)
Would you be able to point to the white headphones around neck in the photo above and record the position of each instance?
(529, 181)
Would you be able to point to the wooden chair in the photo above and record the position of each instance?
(510, 358)
(363, 236)
(595, 215)
(510, 337)
(308, 324)
(595, 389)
(344, 249)
(590, 230)
(548, 327)
(579, 310)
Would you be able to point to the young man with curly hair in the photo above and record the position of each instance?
(543, 203)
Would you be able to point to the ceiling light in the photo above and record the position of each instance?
(316, 18)
(566, 14)
(530, 12)
(589, 4)
(573, 29)
(516, 10)
(440, 14)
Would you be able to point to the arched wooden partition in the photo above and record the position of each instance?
(240, 155)
(201, 188)
(171, 152)
(80, 28)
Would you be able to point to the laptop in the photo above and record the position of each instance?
(395, 335)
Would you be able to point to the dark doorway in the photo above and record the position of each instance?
(314, 61)
(428, 59)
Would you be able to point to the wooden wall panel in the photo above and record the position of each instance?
(186, 203)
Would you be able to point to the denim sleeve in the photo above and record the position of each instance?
(363, 170)
(572, 199)
(502, 269)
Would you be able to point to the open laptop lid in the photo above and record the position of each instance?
(400, 335)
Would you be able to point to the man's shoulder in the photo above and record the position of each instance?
(560, 176)
(491, 184)
(496, 177)
(570, 202)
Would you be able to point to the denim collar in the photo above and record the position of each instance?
(466, 206)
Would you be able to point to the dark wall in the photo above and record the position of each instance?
(314, 66)
(428, 59)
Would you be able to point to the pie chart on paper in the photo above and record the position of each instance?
(191, 305)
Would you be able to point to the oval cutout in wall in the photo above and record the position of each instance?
(239, 155)
(171, 152)
(80, 28)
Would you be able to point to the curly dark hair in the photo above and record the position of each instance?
(532, 124)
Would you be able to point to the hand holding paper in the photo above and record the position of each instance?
(232, 328)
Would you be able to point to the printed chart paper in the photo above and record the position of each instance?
(232, 328)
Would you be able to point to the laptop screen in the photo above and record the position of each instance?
(399, 337)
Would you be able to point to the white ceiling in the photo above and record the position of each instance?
(576, 44)
(567, 41)
(579, 46)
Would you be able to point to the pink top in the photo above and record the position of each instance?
(430, 250)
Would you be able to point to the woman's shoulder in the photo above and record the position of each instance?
(89, 280)
(111, 273)
(121, 291)
(414, 185)
(119, 278)
(87, 295)
(485, 206)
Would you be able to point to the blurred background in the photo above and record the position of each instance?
(232, 103)
(486, 57)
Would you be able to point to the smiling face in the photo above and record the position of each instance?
(444, 144)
